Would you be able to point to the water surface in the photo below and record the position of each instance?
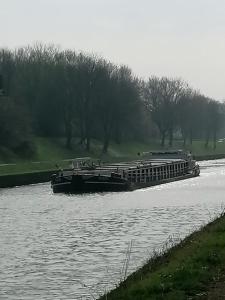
(74, 246)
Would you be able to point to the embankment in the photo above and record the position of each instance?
(193, 269)
(11, 180)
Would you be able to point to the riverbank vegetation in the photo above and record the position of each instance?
(86, 100)
(192, 269)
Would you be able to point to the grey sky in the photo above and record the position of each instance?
(176, 38)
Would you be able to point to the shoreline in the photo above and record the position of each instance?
(192, 269)
(13, 180)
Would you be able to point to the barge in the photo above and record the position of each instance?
(154, 168)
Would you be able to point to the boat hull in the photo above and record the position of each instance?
(78, 184)
(124, 176)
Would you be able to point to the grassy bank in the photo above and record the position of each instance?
(51, 152)
(190, 270)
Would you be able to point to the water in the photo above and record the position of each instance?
(74, 247)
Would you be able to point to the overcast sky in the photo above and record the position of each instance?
(175, 38)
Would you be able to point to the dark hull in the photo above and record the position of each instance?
(78, 184)
(96, 184)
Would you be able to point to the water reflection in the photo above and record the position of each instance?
(73, 247)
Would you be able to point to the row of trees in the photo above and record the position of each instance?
(49, 92)
(175, 106)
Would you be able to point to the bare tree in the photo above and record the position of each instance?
(161, 97)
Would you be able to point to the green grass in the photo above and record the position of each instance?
(183, 272)
(132, 148)
(49, 152)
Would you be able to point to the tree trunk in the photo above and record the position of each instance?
(171, 137)
(68, 126)
(214, 140)
(68, 129)
(207, 140)
(88, 143)
(82, 136)
(163, 136)
(184, 136)
(82, 140)
(105, 145)
(191, 137)
(118, 135)
(107, 134)
(88, 133)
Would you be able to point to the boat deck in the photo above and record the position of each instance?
(128, 167)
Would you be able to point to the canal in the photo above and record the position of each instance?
(75, 246)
